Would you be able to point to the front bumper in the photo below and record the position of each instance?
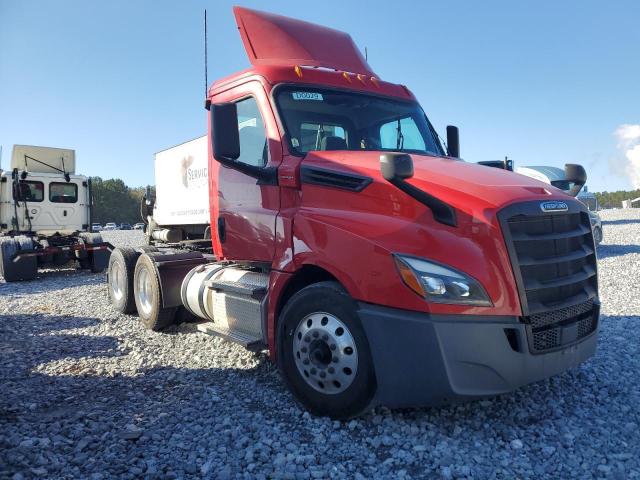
(422, 359)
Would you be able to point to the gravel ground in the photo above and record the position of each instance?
(87, 393)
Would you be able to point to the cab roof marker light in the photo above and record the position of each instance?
(374, 80)
(346, 75)
(361, 77)
(298, 71)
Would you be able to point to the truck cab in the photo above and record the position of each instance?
(45, 214)
(374, 265)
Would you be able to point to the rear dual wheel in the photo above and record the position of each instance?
(323, 352)
(148, 296)
(122, 263)
(134, 286)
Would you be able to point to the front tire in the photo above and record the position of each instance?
(323, 352)
(148, 296)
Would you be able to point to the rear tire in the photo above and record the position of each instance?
(323, 352)
(122, 264)
(148, 296)
(26, 268)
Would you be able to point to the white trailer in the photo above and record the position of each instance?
(45, 214)
(179, 213)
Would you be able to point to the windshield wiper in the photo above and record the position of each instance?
(400, 137)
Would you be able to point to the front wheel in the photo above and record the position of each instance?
(323, 352)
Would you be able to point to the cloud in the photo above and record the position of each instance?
(627, 134)
(629, 142)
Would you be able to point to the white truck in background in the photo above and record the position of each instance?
(45, 214)
(179, 213)
(571, 180)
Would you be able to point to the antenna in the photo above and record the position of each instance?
(206, 80)
(366, 55)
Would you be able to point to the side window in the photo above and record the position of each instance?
(253, 139)
(401, 135)
(63, 192)
(29, 191)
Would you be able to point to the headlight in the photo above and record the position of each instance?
(440, 284)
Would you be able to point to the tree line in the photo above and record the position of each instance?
(614, 199)
(114, 201)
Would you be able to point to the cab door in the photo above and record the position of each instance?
(246, 210)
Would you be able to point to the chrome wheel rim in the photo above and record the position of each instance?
(145, 291)
(116, 280)
(325, 353)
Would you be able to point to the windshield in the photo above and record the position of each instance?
(319, 119)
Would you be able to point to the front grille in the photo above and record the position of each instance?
(558, 328)
(554, 263)
(557, 316)
(547, 339)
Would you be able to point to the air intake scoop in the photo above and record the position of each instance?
(277, 40)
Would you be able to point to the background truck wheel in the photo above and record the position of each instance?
(24, 269)
(44, 259)
(122, 264)
(148, 297)
(96, 260)
(323, 352)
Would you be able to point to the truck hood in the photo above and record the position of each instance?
(468, 187)
(277, 40)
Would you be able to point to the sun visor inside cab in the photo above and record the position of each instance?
(274, 39)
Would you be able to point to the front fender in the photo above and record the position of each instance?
(357, 250)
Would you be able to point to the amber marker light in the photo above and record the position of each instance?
(374, 80)
(346, 75)
(361, 78)
(298, 71)
(409, 277)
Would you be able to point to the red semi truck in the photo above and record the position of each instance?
(375, 266)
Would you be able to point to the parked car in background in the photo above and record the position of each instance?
(110, 226)
(138, 226)
(596, 226)
(125, 226)
(96, 227)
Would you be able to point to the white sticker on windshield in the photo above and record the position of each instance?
(307, 96)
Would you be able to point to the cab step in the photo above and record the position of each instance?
(256, 292)
(248, 341)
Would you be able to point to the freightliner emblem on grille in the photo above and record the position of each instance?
(554, 207)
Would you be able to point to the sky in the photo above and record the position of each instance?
(544, 83)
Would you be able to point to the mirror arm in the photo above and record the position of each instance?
(264, 175)
(442, 212)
